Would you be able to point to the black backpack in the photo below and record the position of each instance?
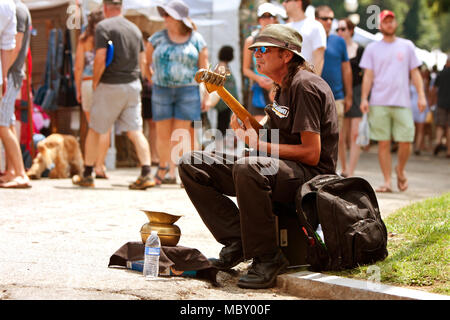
(347, 210)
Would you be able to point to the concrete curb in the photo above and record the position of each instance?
(313, 285)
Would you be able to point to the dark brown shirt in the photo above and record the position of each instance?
(128, 43)
(307, 105)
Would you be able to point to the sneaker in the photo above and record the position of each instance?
(142, 183)
(264, 271)
(83, 181)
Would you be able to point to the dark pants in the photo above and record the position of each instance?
(211, 178)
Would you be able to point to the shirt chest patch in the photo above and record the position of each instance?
(280, 111)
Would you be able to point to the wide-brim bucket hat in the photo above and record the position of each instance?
(178, 10)
(280, 36)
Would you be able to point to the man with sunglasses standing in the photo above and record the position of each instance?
(312, 32)
(303, 130)
(337, 71)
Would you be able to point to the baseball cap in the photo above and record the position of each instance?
(274, 10)
(178, 10)
(386, 13)
(281, 36)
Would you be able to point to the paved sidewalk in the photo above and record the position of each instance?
(57, 238)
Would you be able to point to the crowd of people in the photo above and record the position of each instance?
(162, 73)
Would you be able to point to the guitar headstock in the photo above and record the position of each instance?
(211, 79)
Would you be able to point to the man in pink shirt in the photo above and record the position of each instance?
(389, 65)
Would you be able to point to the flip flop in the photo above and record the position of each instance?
(14, 184)
(383, 189)
(102, 175)
(402, 184)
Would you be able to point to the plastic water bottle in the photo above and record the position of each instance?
(319, 232)
(151, 257)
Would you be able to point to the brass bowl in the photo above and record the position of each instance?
(169, 234)
(160, 217)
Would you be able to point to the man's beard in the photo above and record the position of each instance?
(387, 33)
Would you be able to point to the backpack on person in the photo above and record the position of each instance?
(348, 213)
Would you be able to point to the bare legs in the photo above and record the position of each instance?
(137, 138)
(16, 174)
(165, 145)
(152, 140)
(355, 150)
(103, 146)
(385, 160)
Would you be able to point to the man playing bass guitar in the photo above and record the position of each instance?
(302, 124)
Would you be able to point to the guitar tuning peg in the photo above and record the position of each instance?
(221, 70)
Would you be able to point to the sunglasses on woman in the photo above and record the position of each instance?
(341, 29)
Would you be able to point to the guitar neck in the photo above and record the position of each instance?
(237, 108)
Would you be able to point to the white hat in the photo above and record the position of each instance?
(178, 10)
(274, 10)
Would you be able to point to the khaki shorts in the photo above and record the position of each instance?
(340, 108)
(390, 122)
(86, 95)
(118, 104)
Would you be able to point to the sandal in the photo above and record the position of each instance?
(16, 183)
(158, 179)
(101, 175)
(142, 183)
(402, 183)
(169, 181)
(383, 189)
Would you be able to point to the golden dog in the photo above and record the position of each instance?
(61, 150)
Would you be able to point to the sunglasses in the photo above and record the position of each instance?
(341, 29)
(261, 49)
(326, 18)
(289, 0)
(267, 16)
(164, 14)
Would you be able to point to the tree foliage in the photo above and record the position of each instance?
(421, 21)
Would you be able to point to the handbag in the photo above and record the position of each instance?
(363, 138)
(67, 96)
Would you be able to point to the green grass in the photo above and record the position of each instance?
(418, 246)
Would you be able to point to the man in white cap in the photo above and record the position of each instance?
(260, 85)
(313, 33)
(303, 117)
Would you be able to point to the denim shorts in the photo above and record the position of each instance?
(182, 103)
